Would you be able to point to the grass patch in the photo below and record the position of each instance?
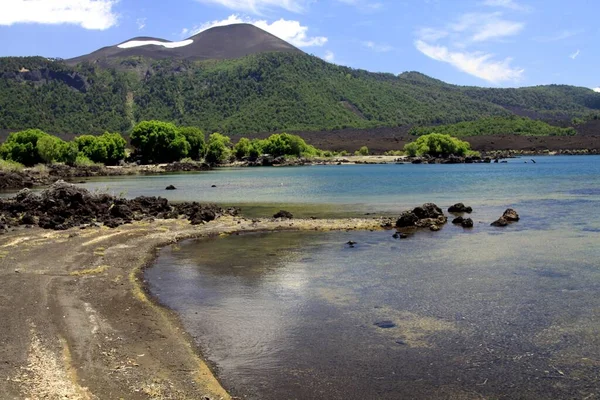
(10, 166)
(91, 271)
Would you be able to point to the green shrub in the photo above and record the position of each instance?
(437, 145)
(158, 141)
(10, 166)
(218, 149)
(195, 137)
(285, 144)
(242, 148)
(83, 161)
(363, 151)
(22, 147)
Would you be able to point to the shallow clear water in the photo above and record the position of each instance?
(487, 312)
(357, 189)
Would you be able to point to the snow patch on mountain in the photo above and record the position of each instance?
(168, 45)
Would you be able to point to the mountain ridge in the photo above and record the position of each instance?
(264, 91)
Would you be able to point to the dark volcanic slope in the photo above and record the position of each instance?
(219, 43)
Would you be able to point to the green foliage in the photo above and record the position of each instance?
(50, 148)
(108, 148)
(10, 166)
(259, 93)
(22, 147)
(83, 161)
(242, 148)
(285, 144)
(218, 149)
(195, 137)
(158, 141)
(437, 145)
(363, 151)
(496, 126)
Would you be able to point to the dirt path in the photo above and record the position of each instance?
(77, 324)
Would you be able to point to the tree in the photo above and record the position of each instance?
(285, 144)
(158, 141)
(108, 148)
(50, 148)
(242, 148)
(195, 137)
(22, 147)
(437, 145)
(219, 149)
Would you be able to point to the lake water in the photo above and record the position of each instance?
(483, 313)
(358, 189)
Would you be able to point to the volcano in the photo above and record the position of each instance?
(218, 43)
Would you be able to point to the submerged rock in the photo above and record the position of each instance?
(458, 220)
(170, 187)
(507, 217)
(460, 208)
(467, 223)
(510, 215)
(283, 214)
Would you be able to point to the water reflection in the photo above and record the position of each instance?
(461, 314)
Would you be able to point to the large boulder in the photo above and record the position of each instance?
(428, 210)
(424, 216)
(406, 219)
(460, 208)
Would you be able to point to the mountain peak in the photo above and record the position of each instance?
(217, 43)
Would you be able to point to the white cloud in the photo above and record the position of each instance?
(597, 90)
(329, 56)
(377, 47)
(260, 6)
(510, 4)
(562, 35)
(453, 44)
(497, 29)
(89, 14)
(141, 23)
(290, 31)
(477, 64)
(575, 55)
(480, 27)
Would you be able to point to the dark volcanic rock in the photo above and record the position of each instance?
(510, 215)
(170, 187)
(460, 208)
(467, 223)
(64, 205)
(458, 220)
(283, 214)
(500, 222)
(407, 218)
(425, 216)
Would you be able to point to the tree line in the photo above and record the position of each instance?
(152, 142)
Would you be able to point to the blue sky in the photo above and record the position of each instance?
(502, 43)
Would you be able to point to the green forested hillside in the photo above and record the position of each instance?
(260, 93)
